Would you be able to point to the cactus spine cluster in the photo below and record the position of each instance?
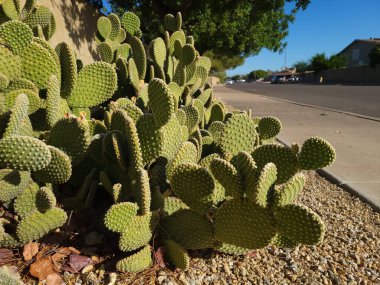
(142, 130)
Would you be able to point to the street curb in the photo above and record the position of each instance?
(341, 183)
(315, 107)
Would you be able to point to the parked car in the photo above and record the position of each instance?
(278, 80)
(229, 82)
(293, 79)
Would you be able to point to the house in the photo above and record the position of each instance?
(357, 51)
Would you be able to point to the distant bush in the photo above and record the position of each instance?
(374, 56)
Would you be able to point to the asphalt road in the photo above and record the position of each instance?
(363, 100)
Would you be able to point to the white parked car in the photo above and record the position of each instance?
(229, 82)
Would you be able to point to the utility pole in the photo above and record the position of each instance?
(285, 59)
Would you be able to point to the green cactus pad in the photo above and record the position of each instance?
(267, 177)
(194, 185)
(24, 153)
(151, 138)
(188, 54)
(161, 101)
(33, 99)
(228, 176)
(16, 35)
(284, 159)
(300, 224)
(38, 64)
(54, 112)
(133, 111)
(11, 9)
(37, 224)
(12, 183)
(136, 262)
(189, 229)
(104, 27)
(172, 23)
(142, 191)
(316, 153)
(232, 249)
(137, 233)
(45, 199)
(21, 83)
(41, 16)
(246, 167)
(139, 56)
(106, 52)
(204, 97)
(58, 171)
(69, 68)
(238, 135)
(205, 62)
(25, 203)
(244, 224)
(173, 205)
(192, 116)
(131, 23)
(283, 241)
(216, 129)
(216, 113)
(288, 192)
(187, 153)
(10, 64)
(10, 276)
(176, 255)
(176, 36)
(4, 82)
(119, 215)
(269, 127)
(113, 148)
(133, 74)
(18, 115)
(181, 116)
(123, 51)
(115, 24)
(96, 84)
(158, 51)
(122, 122)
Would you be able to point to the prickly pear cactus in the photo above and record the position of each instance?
(140, 141)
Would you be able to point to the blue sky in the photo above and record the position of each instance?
(325, 26)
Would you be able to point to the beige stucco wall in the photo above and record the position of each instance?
(76, 25)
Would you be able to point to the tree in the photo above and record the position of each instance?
(257, 74)
(319, 62)
(302, 66)
(231, 28)
(374, 56)
(337, 61)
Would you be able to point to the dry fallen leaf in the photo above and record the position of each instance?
(5, 255)
(77, 262)
(42, 268)
(159, 257)
(54, 279)
(30, 250)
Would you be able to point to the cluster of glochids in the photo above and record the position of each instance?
(141, 141)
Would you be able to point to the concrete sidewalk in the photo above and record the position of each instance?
(356, 140)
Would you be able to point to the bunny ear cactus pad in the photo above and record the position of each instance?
(18, 114)
(244, 224)
(12, 183)
(25, 203)
(283, 157)
(158, 51)
(288, 192)
(37, 224)
(316, 153)
(33, 99)
(8, 276)
(269, 127)
(96, 84)
(24, 153)
(69, 69)
(161, 101)
(142, 191)
(45, 199)
(106, 52)
(104, 27)
(176, 255)
(16, 35)
(131, 23)
(136, 262)
(10, 64)
(72, 136)
(58, 170)
(300, 224)
(238, 135)
(194, 185)
(53, 101)
(259, 194)
(38, 64)
(189, 229)
(228, 176)
(119, 216)
(187, 153)
(173, 205)
(139, 56)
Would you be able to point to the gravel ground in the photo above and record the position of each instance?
(350, 253)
